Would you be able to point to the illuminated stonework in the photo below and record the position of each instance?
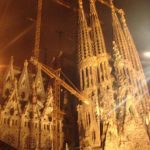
(118, 116)
(27, 113)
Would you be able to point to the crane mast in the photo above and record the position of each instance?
(36, 50)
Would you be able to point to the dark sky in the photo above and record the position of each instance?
(17, 17)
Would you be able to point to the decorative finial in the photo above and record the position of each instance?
(80, 4)
(92, 1)
(26, 63)
(50, 91)
(67, 147)
(112, 5)
(122, 13)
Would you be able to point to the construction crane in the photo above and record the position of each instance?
(36, 50)
(52, 74)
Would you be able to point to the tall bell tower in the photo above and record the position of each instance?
(104, 77)
(89, 130)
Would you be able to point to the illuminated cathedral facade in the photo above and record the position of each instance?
(117, 116)
(27, 112)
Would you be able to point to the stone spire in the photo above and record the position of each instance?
(132, 48)
(136, 63)
(49, 105)
(10, 73)
(84, 41)
(24, 86)
(10, 117)
(39, 85)
(13, 101)
(118, 35)
(128, 52)
(87, 68)
(121, 42)
(127, 95)
(96, 33)
(9, 78)
(104, 77)
(128, 122)
(99, 48)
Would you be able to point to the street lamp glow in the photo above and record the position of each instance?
(147, 54)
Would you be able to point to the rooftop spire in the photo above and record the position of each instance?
(24, 86)
(97, 34)
(9, 78)
(84, 41)
(10, 72)
(118, 34)
(39, 86)
(132, 48)
(136, 62)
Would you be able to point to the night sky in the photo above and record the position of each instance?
(17, 17)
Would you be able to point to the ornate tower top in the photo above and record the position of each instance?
(39, 85)
(24, 86)
(118, 35)
(10, 72)
(84, 41)
(97, 34)
(80, 4)
(132, 48)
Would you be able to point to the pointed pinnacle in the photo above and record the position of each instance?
(80, 4)
(26, 63)
(112, 5)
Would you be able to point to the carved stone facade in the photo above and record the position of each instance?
(27, 112)
(116, 117)
(118, 114)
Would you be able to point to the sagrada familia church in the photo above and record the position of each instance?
(116, 116)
